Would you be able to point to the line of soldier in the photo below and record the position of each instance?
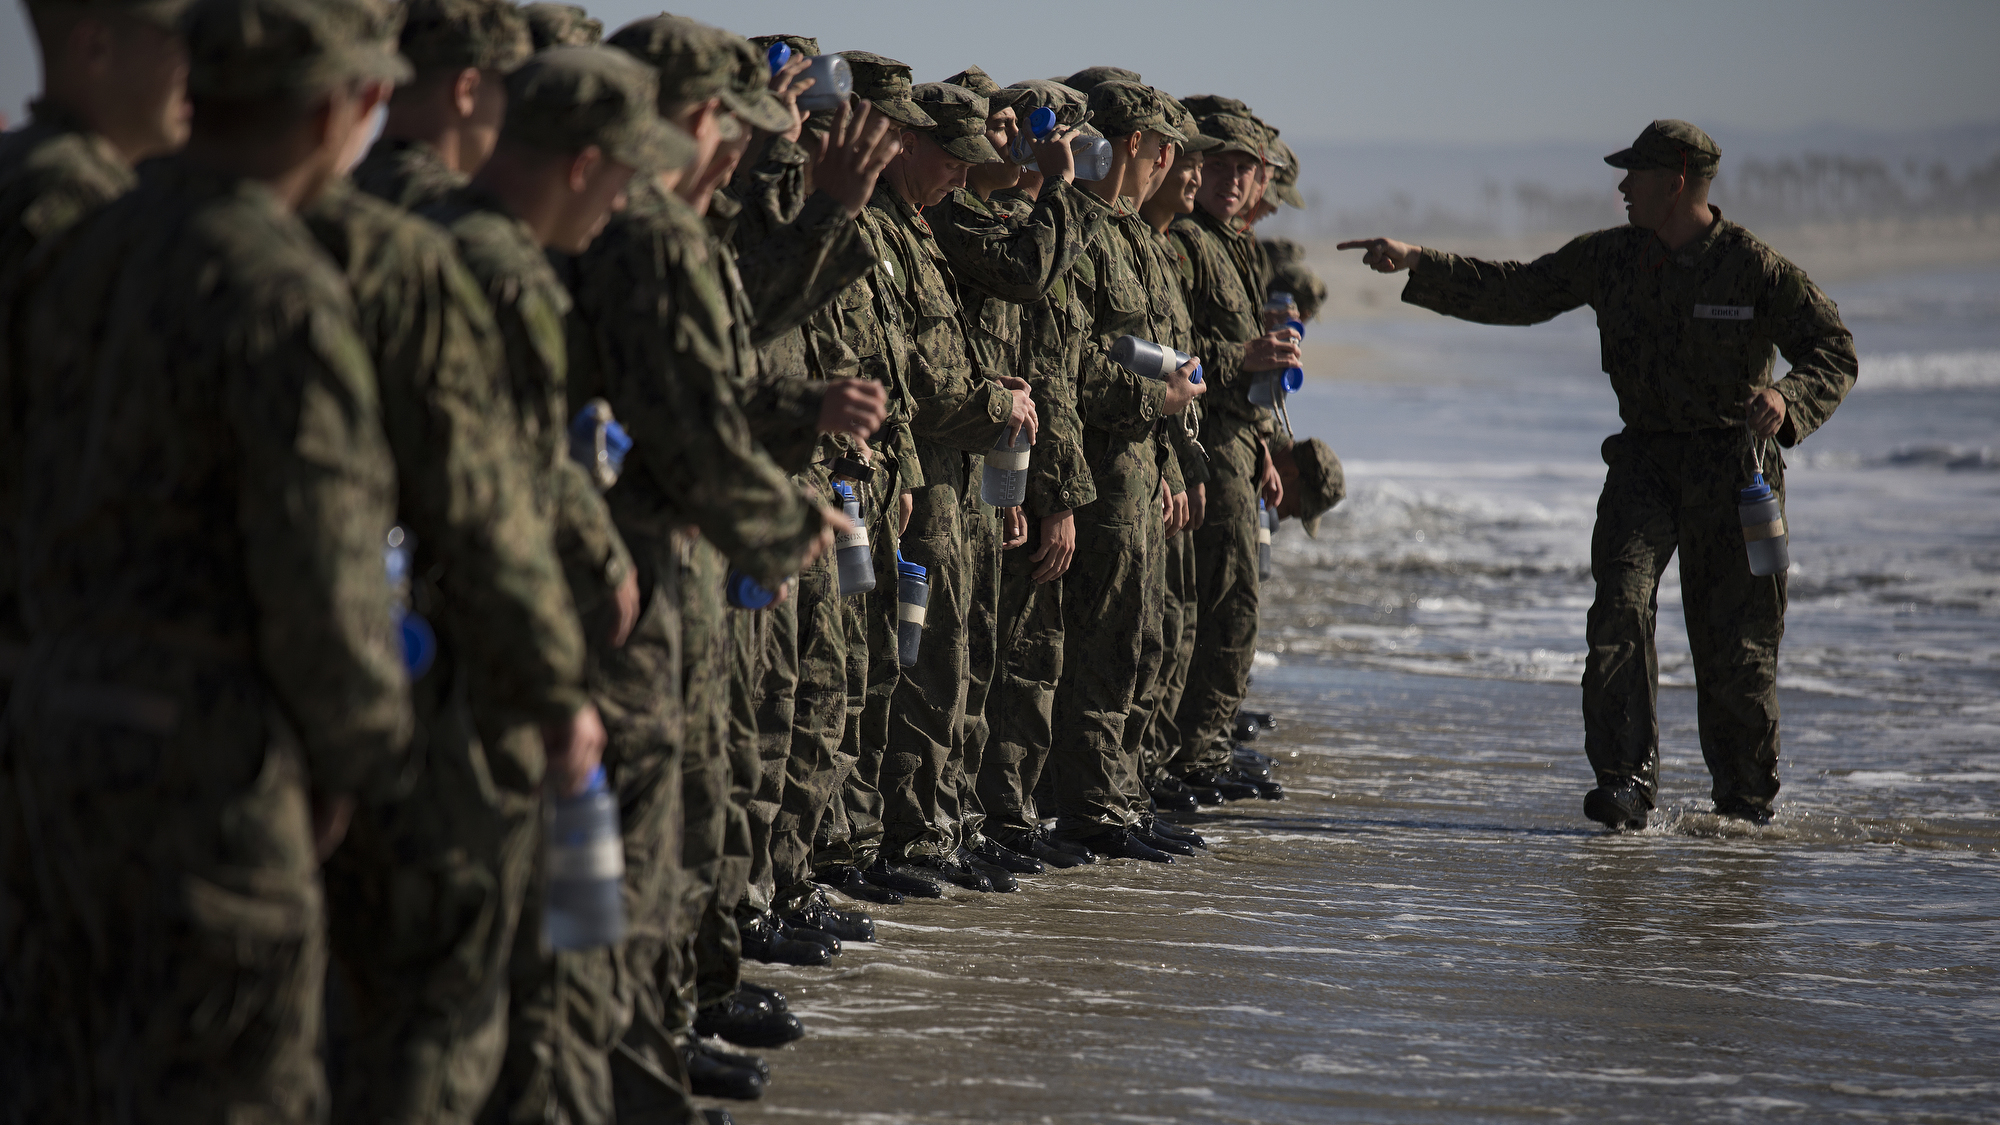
(259, 860)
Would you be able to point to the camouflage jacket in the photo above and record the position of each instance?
(670, 352)
(409, 174)
(1225, 301)
(529, 304)
(1010, 255)
(1182, 459)
(1120, 410)
(210, 484)
(1686, 335)
(463, 486)
(52, 173)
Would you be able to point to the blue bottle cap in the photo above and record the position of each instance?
(595, 783)
(1297, 326)
(1292, 380)
(1260, 503)
(1757, 493)
(843, 490)
(910, 569)
(745, 592)
(1196, 377)
(778, 56)
(420, 643)
(1042, 122)
(617, 443)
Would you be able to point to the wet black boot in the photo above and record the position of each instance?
(1172, 795)
(851, 882)
(763, 940)
(1007, 859)
(1623, 807)
(710, 1077)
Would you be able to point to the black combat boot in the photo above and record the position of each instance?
(993, 853)
(748, 1023)
(1121, 844)
(1172, 831)
(904, 880)
(1625, 806)
(763, 940)
(710, 1077)
(1736, 808)
(1222, 782)
(851, 882)
(1040, 846)
(847, 925)
(769, 997)
(1172, 795)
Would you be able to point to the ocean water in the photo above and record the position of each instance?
(1426, 929)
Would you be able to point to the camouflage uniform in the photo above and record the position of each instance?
(424, 895)
(442, 35)
(561, 25)
(212, 638)
(1105, 601)
(1687, 338)
(569, 1008)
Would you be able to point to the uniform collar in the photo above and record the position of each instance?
(1691, 253)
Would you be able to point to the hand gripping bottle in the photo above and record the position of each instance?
(1149, 360)
(778, 55)
(851, 555)
(744, 592)
(1093, 154)
(586, 864)
(1267, 522)
(1004, 484)
(1269, 388)
(1763, 528)
(599, 443)
(913, 594)
(419, 640)
(833, 81)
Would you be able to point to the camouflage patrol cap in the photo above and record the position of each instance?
(1285, 174)
(961, 121)
(252, 50)
(455, 34)
(1233, 133)
(1322, 482)
(800, 44)
(997, 97)
(1208, 105)
(562, 25)
(566, 98)
(886, 83)
(697, 62)
(1675, 146)
(1071, 106)
(1122, 108)
(1197, 141)
(1091, 77)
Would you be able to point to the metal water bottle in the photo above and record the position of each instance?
(1763, 528)
(419, 640)
(851, 555)
(1092, 154)
(1269, 388)
(833, 81)
(913, 595)
(744, 592)
(599, 443)
(1149, 360)
(1267, 522)
(586, 865)
(1004, 484)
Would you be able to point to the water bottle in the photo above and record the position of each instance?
(850, 549)
(1092, 154)
(1005, 481)
(418, 639)
(1279, 308)
(1266, 523)
(1763, 528)
(599, 443)
(744, 592)
(586, 861)
(1269, 388)
(1149, 360)
(778, 55)
(833, 81)
(913, 594)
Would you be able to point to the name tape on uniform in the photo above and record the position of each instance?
(1724, 312)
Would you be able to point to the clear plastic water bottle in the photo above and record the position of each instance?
(1279, 308)
(599, 443)
(1149, 360)
(1763, 528)
(1266, 524)
(418, 639)
(913, 595)
(744, 592)
(851, 554)
(833, 81)
(586, 864)
(1004, 484)
(1092, 154)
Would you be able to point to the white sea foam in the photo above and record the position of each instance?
(1930, 371)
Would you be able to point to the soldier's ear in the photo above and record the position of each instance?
(583, 166)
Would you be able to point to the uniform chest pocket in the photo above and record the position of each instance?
(1124, 293)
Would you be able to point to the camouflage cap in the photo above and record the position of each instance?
(1197, 141)
(566, 98)
(1072, 107)
(1322, 482)
(886, 83)
(1091, 77)
(1122, 108)
(1673, 145)
(1208, 105)
(455, 34)
(800, 44)
(697, 62)
(1285, 174)
(251, 50)
(1233, 133)
(997, 97)
(961, 121)
(562, 25)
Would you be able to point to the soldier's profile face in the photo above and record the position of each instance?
(1649, 196)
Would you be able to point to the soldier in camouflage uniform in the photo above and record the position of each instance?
(1007, 256)
(101, 111)
(213, 674)
(579, 124)
(443, 124)
(1104, 600)
(561, 25)
(1690, 307)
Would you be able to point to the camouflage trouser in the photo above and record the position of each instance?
(927, 710)
(715, 833)
(851, 831)
(724, 880)
(570, 1055)
(774, 688)
(1152, 659)
(1029, 636)
(1663, 493)
(811, 762)
(162, 940)
(422, 900)
(982, 627)
(1178, 626)
(1104, 604)
(1225, 550)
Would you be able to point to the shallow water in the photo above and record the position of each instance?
(1428, 930)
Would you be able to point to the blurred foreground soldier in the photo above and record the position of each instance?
(579, 126)
(114, 93)
(214, 673)
(444, 122)
(561, 25)
(1689, 306)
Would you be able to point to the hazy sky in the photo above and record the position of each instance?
(1421, 70)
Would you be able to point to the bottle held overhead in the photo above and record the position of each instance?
(1092, 154)
(833, 81)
